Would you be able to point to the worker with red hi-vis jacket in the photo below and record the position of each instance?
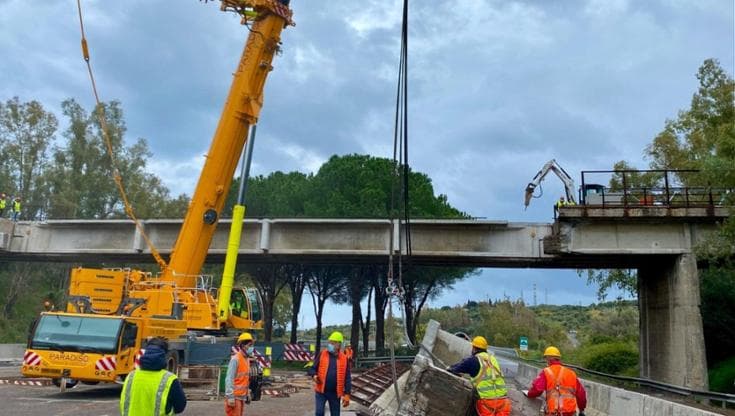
(564, 392)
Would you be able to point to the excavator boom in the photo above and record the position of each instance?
(551, 166)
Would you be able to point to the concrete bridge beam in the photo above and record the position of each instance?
(671, 336)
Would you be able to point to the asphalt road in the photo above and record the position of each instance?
(104, 399)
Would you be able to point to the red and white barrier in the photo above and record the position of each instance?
(296, 352)
(262, 360)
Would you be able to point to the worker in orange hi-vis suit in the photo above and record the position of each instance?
(237, 381)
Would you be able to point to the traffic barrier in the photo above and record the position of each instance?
(264, 361)
(297, 352)
(26, 382)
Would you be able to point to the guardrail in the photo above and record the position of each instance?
(725, 398)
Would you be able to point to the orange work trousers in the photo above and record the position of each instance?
(493, 407)
(237, 410)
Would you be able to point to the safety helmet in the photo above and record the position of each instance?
(245, 336)
(336, 337)
(479, 342)
(552, 352)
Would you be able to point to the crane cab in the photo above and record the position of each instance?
(246, 309)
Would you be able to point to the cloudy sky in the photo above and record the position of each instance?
(497, 88)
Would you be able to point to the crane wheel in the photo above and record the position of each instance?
(172, 361)
(68, 384)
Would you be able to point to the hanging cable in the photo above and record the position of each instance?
(401, 180)
(102, 119)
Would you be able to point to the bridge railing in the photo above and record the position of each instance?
(655, 188)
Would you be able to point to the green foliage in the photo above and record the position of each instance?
(722, 376)
(612, 324)
(622, 279)
(718, 292)
(633, 179)
(611, 358)
(502, 323)
(80, 178)
(26, 131)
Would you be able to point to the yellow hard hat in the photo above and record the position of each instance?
(336, 337)
(552, 352)
(479, 342)
(245, 336)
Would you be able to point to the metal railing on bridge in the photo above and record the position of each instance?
(655, 188)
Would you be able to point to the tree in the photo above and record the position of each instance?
(81, 177)
(379, 283)
(356, 289)
(270, 280)
(297, 282)
(324, 282)
(361, 186)
(276, 195)
(700, 138)
(424, 283)
(622, 279)
(26, 130)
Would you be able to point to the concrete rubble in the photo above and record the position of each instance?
(428, 389)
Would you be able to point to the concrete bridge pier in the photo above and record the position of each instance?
(671, 336)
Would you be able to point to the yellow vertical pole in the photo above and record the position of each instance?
(267, 369)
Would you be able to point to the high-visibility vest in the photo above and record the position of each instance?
(324, 368)
(145, 393)
(16, 206)
(561, 390)
(241, 383)
(2, 203)
(489, 381)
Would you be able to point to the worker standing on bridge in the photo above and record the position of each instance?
(151, 390)
(487, 378)
(237, 381)
(16, 208)
(332, 378)
(564, 392)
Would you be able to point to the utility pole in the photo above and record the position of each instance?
(534, 295)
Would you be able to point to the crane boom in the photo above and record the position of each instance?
(241, 110)
(551, 166)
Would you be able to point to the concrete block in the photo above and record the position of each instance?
(435, 392)
(598, 396)
(625, 403)
(12, 352)
(387, 404)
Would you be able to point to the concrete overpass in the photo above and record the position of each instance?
(577, 240)
(658, 241)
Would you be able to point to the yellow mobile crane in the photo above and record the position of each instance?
(110, 312)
